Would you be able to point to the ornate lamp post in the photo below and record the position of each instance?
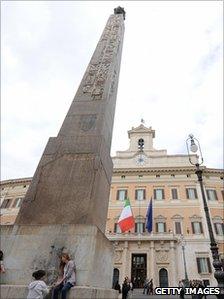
(183, 244)
(193, 146)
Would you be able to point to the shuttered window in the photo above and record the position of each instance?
(17, 202)
(197, 227)
(140, 227)
(211, 194)
(140, 194)
(159, 194)
(204, 265)
(160, 227)
(191, 193)
(122, 194)
(6, 203)
(178, 228)
(174, 193)
(219, 229)
(117, 229)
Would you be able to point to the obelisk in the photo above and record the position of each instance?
(72, 181)
(65, 207)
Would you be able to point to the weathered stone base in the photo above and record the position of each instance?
(28, 248)
(78, 292)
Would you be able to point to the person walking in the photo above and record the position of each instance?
(125, 288)
(150, 287)
(68, 280)
(181, 285)
(145, 286)
(38, 288)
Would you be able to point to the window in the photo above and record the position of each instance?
(160, 227)
(178, 228)
(117, 229)
(123, 176)
(188, 175)
(122, 194)
(222, 191)
(158, 176)
(139, 227)
(6, 203)
(141, 144)
(173, 175)
(159, 194)
(211, 194)
(174, 193)
(24, 186)
(140, 194)
(219, 229)
(17, 202)
(204, 265)
(191, 193)
(140, 176)
(197, 227)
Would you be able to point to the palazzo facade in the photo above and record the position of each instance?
(179, 225)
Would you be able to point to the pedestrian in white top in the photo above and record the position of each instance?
(38, 288)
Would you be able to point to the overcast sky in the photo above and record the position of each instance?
(171, 74)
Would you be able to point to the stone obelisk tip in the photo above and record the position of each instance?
(119, 10)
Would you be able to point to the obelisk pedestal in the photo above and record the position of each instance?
(65, 208)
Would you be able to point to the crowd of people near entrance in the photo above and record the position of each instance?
(128, 286)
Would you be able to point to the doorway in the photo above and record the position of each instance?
(138, 270)
(163, 278)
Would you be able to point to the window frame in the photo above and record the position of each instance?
(208, 191)
(200, 226)
(217, 230)
(155, 196)
(195, 193)
(164, 227)
(8, 204)
(136, 194)
(179, 222)
(199, 266)
(177, 193)
(125, 195)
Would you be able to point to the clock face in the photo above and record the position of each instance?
(141, 159)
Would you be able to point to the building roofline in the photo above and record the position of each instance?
(168, 170)
(18, 180)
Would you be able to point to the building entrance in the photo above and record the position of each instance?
(138, 270)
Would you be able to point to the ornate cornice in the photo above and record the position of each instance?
(16, 181)
(173, 170)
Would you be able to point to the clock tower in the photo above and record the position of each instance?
(141, 152)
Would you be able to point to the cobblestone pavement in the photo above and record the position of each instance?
(137, 294)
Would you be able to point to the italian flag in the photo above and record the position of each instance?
(126, 220)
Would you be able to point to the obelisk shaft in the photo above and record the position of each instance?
(72, 182)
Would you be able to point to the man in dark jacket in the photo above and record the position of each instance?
(125, 288)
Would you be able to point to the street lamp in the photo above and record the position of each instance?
(193, 146)
(183, 244)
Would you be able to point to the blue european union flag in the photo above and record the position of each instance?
(149, 217)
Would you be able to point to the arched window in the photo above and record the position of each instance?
(115, 276)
